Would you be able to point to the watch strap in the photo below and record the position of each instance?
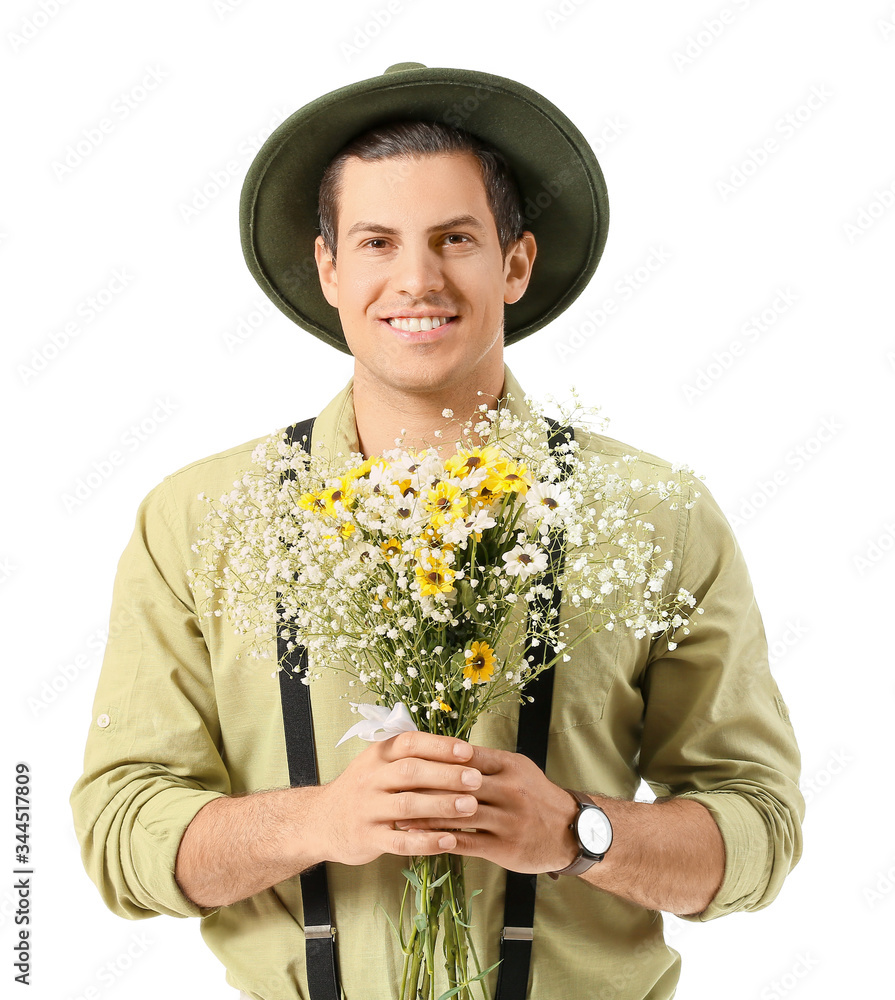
(584, 860)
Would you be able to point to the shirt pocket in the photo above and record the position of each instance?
(580, 686)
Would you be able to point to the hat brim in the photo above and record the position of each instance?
(560, 181)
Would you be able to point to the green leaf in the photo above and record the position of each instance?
(412, 878)
(422, 922)
(397, 933)
(462, 986)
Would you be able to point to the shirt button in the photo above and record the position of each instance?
(103, 721)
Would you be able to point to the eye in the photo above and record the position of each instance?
(377, 239)
(451, 237)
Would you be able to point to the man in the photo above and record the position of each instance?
(424, 268)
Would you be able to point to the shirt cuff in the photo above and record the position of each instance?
(748, 860)
(157, 832)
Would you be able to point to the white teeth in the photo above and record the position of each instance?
(415, 324)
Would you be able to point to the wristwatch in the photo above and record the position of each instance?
(593, 831)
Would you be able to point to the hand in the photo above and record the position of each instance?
(523, 819)
(398, 796)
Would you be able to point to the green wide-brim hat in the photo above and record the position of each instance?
(562, 187)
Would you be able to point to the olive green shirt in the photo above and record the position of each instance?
(178, 721)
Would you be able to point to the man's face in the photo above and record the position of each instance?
(418, 248)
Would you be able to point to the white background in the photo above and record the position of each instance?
(792, 431)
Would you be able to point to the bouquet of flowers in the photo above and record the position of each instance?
(419, 574)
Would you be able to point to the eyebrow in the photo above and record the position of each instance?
(466, 221)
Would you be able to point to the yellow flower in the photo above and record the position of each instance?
(467, 461)
(343, 493)
(346, 530)
(443, 707)
(512, 478)
(486, 496)
(479, 663)
(445, 503)
(434, 576)
(364, 469)
(391, 548)
(312, 501)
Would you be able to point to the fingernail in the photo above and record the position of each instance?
(446, 843)
(462, 750)
(472, 778)
(465, 805)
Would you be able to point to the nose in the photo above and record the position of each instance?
(417, 270)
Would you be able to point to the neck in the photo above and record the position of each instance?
(383, 414)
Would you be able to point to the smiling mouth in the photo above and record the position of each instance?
(418, 324)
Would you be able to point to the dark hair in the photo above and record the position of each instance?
(425, 138)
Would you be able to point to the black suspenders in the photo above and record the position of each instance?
(534, 724)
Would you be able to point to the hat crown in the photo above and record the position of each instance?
(404, 65)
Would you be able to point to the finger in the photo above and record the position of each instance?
(415, 773)
(491, 761)
(485, 819)
(407, 843)
(475, 844)
(430, 746)
(410, 808)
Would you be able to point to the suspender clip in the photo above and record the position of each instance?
(517, 934)
(319, 931)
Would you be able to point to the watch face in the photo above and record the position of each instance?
(594, 831)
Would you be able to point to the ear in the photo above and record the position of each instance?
(326, 271)
(517, 267)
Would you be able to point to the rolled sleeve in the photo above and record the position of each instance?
(716, 728)
(152, 758)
